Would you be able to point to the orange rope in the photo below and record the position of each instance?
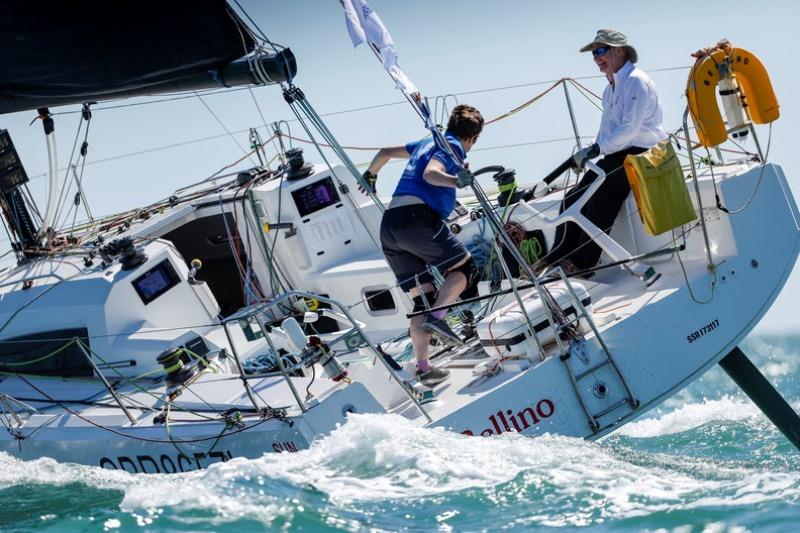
(526, 104)
(517, 109)
(581, 86)
(492, 121)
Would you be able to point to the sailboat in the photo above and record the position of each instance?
(254, 312)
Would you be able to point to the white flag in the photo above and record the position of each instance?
(354, 28)
(364, 25)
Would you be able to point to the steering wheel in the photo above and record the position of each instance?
(495, 169)
(504, 177)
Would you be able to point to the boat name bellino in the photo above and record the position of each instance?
(518, 422)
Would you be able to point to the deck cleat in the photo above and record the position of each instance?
(646, 274)
(650, 276)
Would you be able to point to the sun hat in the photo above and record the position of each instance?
(613, 38)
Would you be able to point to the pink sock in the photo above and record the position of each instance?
(423, 365)
(439, 314)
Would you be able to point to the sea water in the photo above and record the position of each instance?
(706, 460)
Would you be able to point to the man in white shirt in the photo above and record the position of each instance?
(631, 124)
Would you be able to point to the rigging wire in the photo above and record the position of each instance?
(549, 82)
(513, 111)
(297, 100)
(60, 203)
(275, 47)
(314, 142)
(580, 88)
(80, 196)
(333, 113)
(254, 66)
(222, 416)
(231, 165)
(87, 115)
(532, 216)
(137, 437)
(758, 181)
(250, 290)
(224, 127)
(525, 104)
(211, 92)
(34, 209)
(307, 141)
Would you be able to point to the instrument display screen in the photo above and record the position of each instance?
(314, 197)
(156, 281)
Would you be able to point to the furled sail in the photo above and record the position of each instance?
(58, 53)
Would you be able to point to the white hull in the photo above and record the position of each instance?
(153, 448)
(664, 341)
(660, 338)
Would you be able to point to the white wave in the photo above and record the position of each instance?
(376, 458)
(47, 471)
(775, 357)
(690, 416)
(388, 457)
(379, 460)
(148, 492)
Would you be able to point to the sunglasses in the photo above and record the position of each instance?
(601, 51)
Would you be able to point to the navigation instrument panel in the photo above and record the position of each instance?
(316, 196)
(156, 281)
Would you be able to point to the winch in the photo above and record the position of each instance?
(173, 362)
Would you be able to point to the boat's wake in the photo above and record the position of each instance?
(383, 471)
(693, 415)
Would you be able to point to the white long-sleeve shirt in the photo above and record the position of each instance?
(631, 112)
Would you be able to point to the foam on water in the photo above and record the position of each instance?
(374, 460)
(709, 460)
(692, 415)
(46, 471)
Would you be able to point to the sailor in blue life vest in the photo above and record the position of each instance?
(414, 234)
(631, 124)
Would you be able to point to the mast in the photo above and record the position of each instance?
(23, 230)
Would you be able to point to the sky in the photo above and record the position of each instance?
(493, 55)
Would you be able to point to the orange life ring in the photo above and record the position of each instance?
(759, 100)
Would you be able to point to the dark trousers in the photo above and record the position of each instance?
(570, 241)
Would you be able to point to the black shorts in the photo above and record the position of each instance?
(413, 237)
